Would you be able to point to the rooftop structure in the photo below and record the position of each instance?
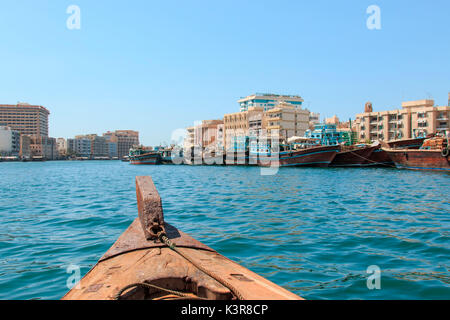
(268, 101)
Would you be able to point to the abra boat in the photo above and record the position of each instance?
(154, 260)
(352, 156)
(433, 155)
(142, 156)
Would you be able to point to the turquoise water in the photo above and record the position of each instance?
(312, 231)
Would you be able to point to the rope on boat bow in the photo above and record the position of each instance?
(152, 286)
(164, 239)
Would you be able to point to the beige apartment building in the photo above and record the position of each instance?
(287, 120)
(61, 146)
(209, 134)
(125, 139)
(45, 147)
(189, 138)
(416, 118)
(25, 118)
(25, 146)
(238, 124)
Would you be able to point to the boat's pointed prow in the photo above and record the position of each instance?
(154, 260)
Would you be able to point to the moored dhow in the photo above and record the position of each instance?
(433, 155)
(379, 158)
(300, 152)
(352, 156)
(154, 260)
(145, 157)
(413, 143)
(320, 156)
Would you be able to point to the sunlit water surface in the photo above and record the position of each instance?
(313, 231)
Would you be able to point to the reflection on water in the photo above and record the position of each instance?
(313, 231)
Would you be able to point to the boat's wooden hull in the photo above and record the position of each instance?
(379, 157)
(134, 259)
(414, 143)
(310, 157)
(352, 158)
(419, 159)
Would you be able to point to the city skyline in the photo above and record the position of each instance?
(155, 68)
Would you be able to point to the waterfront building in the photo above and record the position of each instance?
(44, 147)
(125, 139)
(9, 141)
(112, 149)
(25, 118)
(189, 139)
(209, 134)
(288, 120)
(80, 146)
(99, 145)
(415, 119)
(61, 146)
(25, 149)
(238, 124)
(268, 101)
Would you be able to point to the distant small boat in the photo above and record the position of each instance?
(153, 260)
(166, 156)
(433, 155)
(145, 157)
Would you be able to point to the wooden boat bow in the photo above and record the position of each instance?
(193, 269)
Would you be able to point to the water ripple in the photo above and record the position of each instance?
(313, 231)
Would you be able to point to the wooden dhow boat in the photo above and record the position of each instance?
(352, 156)
(413, 143)
(433, 155)
(142, 156)
(381, 158)
(154, 260)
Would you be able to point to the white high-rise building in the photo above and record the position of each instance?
(268, 101)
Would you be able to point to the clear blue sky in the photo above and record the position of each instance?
(155, 66)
